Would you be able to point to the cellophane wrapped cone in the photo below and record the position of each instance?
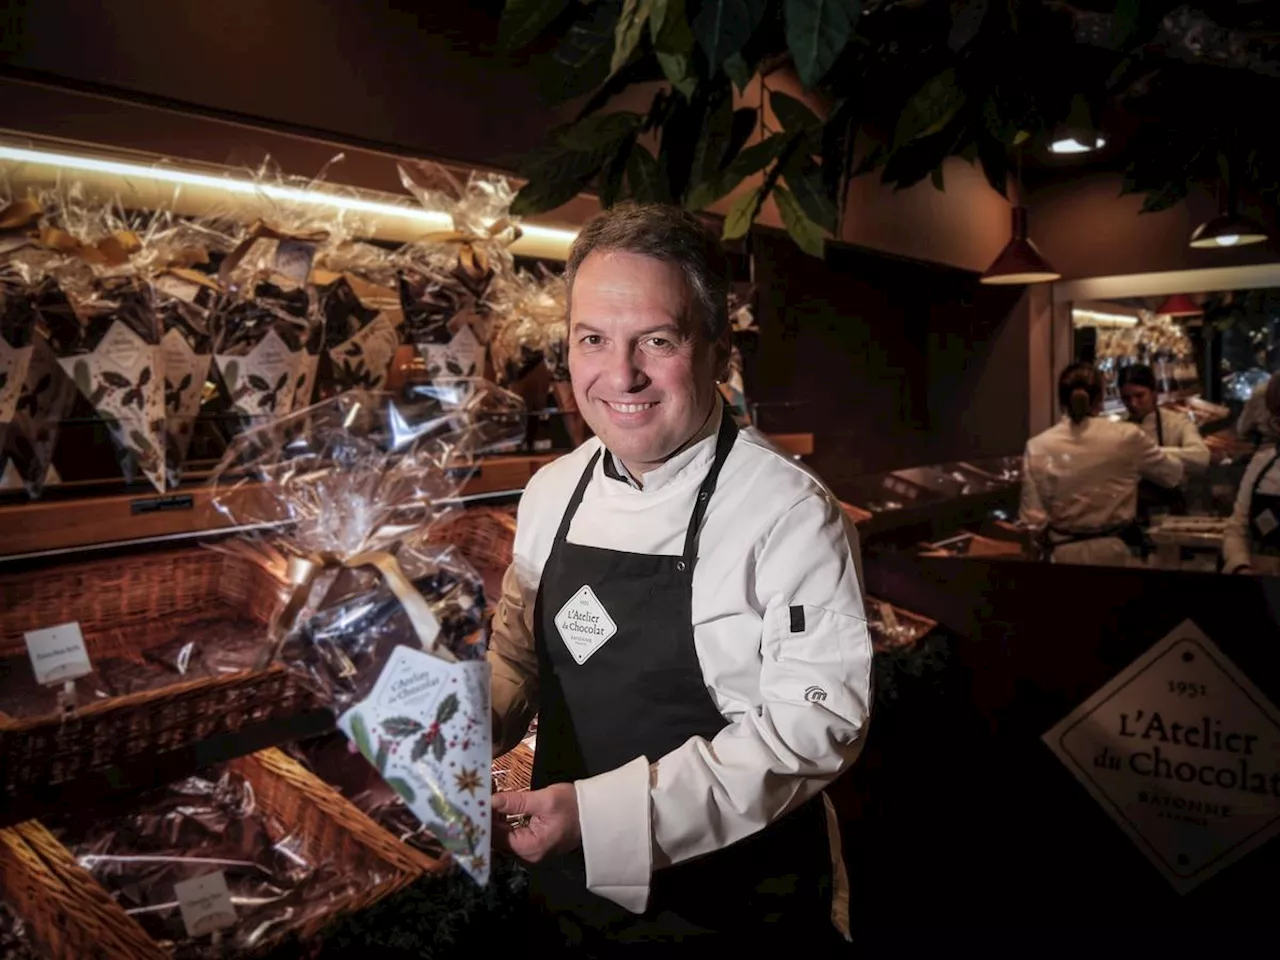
(356, 285)
(387, 627)
(109, 340)
(530, 325)
(269, 330)
(445, 277)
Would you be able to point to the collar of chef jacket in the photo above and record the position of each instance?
(696, 455)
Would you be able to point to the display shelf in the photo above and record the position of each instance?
(68, 523)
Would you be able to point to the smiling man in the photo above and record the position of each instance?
(684, 613)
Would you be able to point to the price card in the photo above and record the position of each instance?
(205, 903)
(58, 653)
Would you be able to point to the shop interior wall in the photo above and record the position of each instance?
(890, 362)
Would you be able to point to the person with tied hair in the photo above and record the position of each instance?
(1080, 477)
(684, 614)
(1172, 431)
(1251, 540)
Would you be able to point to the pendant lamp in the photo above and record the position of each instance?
(1079, 133)
(1179, 305)
(1020, 261)
(1231, 229)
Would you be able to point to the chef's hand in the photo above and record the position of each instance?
(552, 825)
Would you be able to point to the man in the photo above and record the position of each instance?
(1173, 432)
(684, 614)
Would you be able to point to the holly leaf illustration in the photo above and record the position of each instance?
(95, 398)
(438, 748)
(453, 367)
(360, 733)
(384, 748)
(44, 383)
(258, 383)
(141, 442)
(401, 727)
(4, 379)
(115, 380)
(184, 383)
(231, 373)
(402, 788)
(144, 377)
(284, 378)
(447, 709)
(80, 373)
(421, 746)
(267, 400)
(354, 350)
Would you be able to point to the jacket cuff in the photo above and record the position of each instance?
(617, 845)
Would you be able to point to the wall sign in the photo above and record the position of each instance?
(1184, 753)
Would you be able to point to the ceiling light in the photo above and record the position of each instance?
(1179, 305)
(1098, 318)
(1020, 261)
(1228, 230)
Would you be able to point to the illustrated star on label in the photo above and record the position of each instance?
(584, 624)
(1183, 752)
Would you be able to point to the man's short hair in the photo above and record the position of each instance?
(665, 233)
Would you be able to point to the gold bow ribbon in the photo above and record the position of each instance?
(112, 250)
(471, 252)
(303, 571)
(19, 215)
(261, 230)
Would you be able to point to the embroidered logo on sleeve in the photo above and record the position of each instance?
(584, 624)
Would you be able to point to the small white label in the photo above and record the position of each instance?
(58, 653)
(584, 624)
(205, 903)
(1266, 522)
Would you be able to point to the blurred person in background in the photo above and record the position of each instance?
(1173, 432)
(1251, 541)
(1080, 478)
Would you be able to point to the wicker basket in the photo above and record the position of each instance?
(124, 606)
(330, 829)
(485, 537)
(514, 769)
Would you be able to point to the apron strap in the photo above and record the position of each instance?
(1262, 473)
(724, 443)
(1159, 427)
(563, 532)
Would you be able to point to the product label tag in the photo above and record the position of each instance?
(205, 903)
(584, 624)
(58, 653)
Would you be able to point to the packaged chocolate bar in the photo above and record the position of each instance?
(357, 288)
(386, 627)
(207, 824)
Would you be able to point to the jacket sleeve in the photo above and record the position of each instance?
(1155, 463)
(1235, 537)
(1190, 447)
(513, 663)
(808, 725)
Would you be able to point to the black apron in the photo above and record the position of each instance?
(642, 693)
(1152, 497)
(1264, 515)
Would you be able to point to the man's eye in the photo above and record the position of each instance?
(660, 342)
(591, 340)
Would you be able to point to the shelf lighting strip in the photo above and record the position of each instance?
(1100, 319)
(430, 219)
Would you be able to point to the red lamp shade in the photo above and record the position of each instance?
(1020, 261)
(1179, 305)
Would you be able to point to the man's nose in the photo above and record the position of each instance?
(626, 370)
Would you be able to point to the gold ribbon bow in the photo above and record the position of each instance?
(112, 250)
(303, 571)
(471, 252)
(261, 230)
(19, 215)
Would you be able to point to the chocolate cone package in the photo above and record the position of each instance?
(384, 625)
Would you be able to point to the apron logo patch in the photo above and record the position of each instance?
(584, 624)
(1266, 522)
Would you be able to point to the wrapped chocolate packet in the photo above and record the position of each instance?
(207, 823)
(356, 286)
(386, 628)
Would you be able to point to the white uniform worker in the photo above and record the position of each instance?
(1251, 541)
(1080, 478)
(1172, 431)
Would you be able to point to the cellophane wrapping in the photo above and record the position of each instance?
(103, 328)
(17, 312)
(355, 480)
(445, 277)
(357, 289)
(530, 326)
(193, 827)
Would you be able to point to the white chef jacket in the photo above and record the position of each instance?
(1236, 549)
(1181, 438)
(1083, 478)
(773, 537)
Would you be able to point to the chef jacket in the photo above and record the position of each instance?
(1181, 438)
(779, 629)
(1236, 549)
(1255, 416)
(1084, 477)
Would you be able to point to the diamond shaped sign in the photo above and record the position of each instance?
(584, 624)
(1183, 752)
